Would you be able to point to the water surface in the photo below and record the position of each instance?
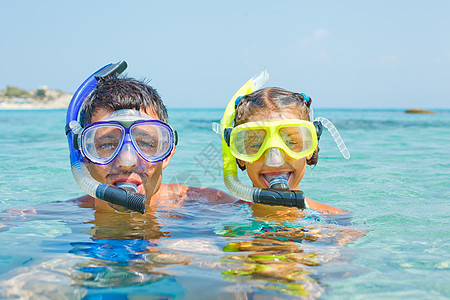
(396, 184)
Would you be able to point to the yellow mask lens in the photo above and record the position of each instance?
(249, 142)
(297, 138)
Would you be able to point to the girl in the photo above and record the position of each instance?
(291, 147)
(270, 133)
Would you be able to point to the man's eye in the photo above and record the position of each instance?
(107, 146)
(147, 144)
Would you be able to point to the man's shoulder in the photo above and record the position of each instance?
(185, 192)
(211, 194)
(86, 199)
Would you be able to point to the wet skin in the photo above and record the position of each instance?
(128, 166)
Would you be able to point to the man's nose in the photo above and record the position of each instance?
(127, 158)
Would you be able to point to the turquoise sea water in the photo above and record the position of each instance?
(396, 183)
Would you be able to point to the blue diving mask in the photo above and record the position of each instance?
(125, 130)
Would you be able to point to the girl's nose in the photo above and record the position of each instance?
(274, 157)
(127, 158)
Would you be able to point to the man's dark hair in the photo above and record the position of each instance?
(122, 93)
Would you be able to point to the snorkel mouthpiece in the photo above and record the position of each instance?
(279, 194)
(126, 197)
(127, 186)
(279, 183)
(279, 197)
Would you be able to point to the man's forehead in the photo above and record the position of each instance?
(103, 113)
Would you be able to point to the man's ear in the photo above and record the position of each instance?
(86, 162)
(166, 161)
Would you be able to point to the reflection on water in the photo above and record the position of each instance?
(171, 252)
(279, 252)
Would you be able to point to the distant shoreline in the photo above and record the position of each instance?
(63, 100)
(20, 104)
(14, 98)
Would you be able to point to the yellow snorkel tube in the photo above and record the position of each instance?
(230, 176)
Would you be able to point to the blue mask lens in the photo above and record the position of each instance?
(101, 142)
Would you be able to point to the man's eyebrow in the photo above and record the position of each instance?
(106, 136)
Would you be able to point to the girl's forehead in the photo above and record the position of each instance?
(267, 114)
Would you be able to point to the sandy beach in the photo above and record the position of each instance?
(15, 104)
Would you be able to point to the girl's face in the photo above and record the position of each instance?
(259, 172)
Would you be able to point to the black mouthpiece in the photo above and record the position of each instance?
(124, 196)
(279, 197)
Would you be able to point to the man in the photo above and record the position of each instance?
(126, 141)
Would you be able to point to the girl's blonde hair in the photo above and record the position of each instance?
(274, 99)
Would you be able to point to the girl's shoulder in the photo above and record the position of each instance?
(324, 208)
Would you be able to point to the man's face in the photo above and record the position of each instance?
(128, 166)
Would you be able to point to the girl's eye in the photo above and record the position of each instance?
(252, 147)
(291, 143)
(254, 142)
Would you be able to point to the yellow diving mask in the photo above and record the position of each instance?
(247, 142)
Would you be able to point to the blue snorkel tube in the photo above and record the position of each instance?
(120, 196)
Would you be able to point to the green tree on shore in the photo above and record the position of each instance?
(40, 93)
(12, 91)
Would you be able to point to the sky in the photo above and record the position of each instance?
(344, 54)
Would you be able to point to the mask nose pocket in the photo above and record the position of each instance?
(127, 156)
(274, 157)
